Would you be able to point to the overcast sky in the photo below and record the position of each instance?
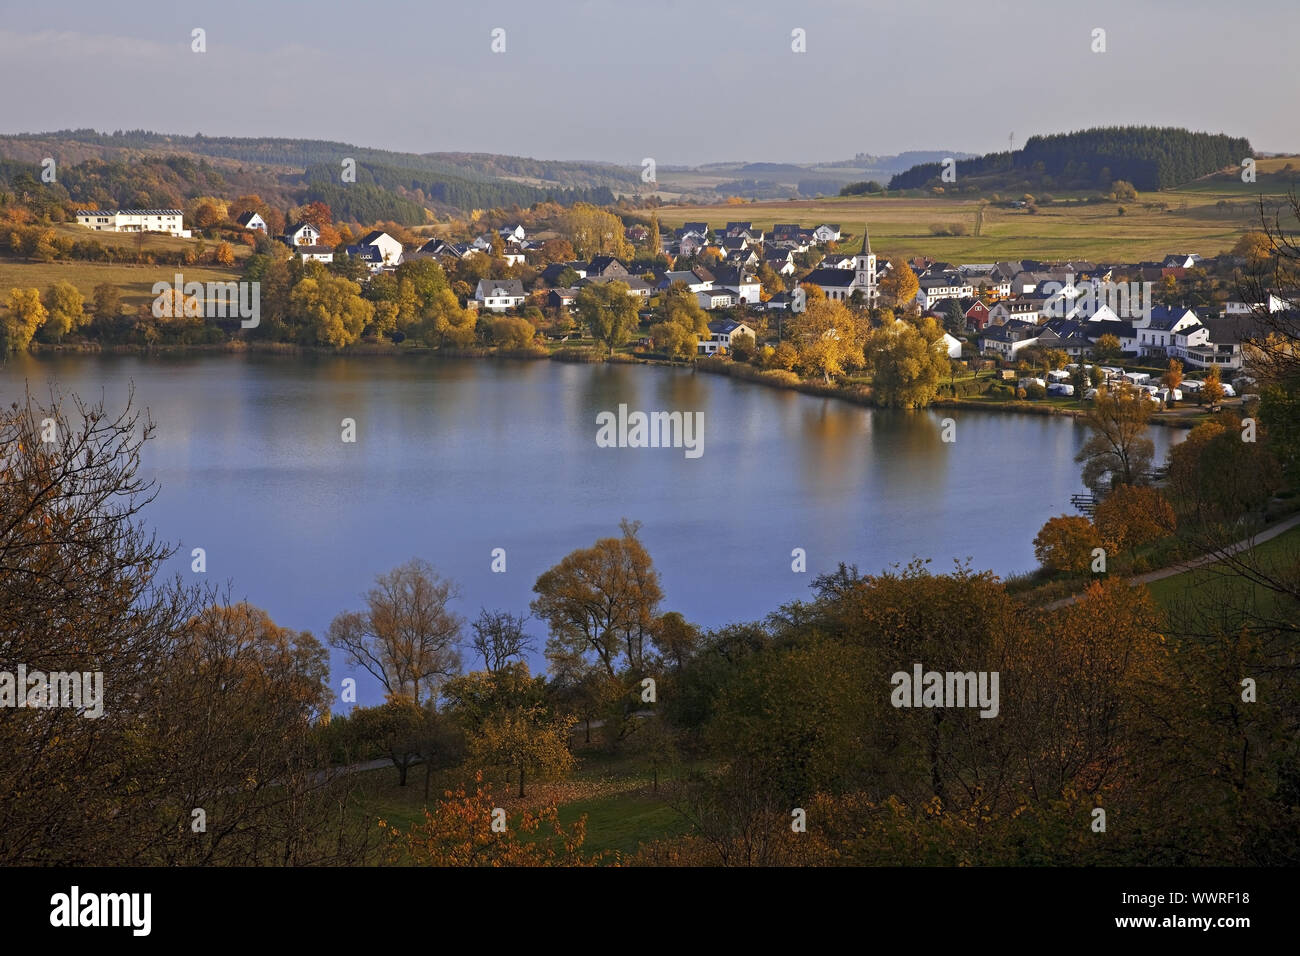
(683, 81)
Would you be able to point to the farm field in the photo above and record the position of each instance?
(901, 225)
(135, 281)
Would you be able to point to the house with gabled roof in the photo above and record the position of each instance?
(253, 222)
(498, 295)
(605, 266)
(301, 234)
(390, 250)
(1009, 338)
(1157, 331)
(721, 334)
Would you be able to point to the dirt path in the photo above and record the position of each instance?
(1212, 557)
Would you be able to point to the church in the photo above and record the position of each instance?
(841, 284)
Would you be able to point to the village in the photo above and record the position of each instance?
(1031, 322)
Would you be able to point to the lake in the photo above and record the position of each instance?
(454, 458)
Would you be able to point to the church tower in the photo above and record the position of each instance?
(864, 264)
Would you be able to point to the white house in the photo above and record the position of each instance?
(721, 332)
(390, 250)
(1008, 338)
(953, 345)
(693, 281)
(169, 221)
(497, 295)
(302, 234)
(253, 222)
(1019, 309)
(1156, 332)
(716, 298)
(512, 233)
(934, 289)
(314, 253)
(827, 232)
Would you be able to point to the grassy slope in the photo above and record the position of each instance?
(135, 281)
(1213, 586)
(614, 793)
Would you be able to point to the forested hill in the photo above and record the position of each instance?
(1149, 157)
(116, 168)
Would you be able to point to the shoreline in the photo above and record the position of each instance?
(859, 395)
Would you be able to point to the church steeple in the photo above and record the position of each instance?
(866, 240)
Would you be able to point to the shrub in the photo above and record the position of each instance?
(1066, 542)
(1035, 391)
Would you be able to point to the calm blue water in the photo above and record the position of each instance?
(456, 458)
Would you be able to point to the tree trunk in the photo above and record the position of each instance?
(588, 730)
(521, 780)
(401, 772)
(428, 774)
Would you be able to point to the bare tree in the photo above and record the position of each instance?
(407, 638)
(499, 638)
(1118, 451)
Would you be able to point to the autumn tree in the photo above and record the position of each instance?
(679, 305)
(459, 832)
(602, 601)
(204, 704)
(1066, 543)
(1107, 348)
(828, 337)
(1254, 246)
(593, 231)
(1118, 452)
(107, 299)
(1172, 377)
(1212, 391)
(899, 285)
(407, 638)
(392, 728)
(1132, 516)
(531, 740)
(557, 250)
(609, 311)
(675, 339)
(66, 310)
(1215, 477)
(25, 315)
(332, 309)
(907, 361)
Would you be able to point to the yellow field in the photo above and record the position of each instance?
(136, 282)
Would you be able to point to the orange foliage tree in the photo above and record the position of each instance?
(458, 831)
(1066, 542)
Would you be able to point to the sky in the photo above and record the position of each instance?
(682, 81)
